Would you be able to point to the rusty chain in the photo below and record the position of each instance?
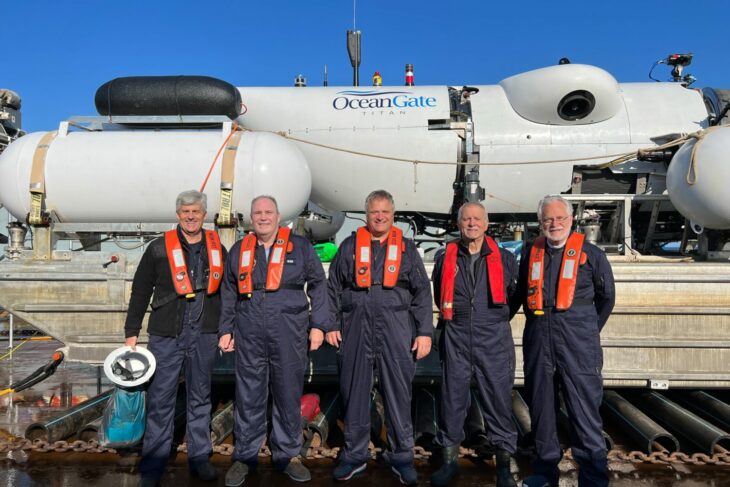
(664, 457)
(314, 452)
(42, 446)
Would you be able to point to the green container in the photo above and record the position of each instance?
(326, 251)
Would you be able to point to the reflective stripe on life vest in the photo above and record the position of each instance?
(571, 260)
(363, 258)
(179, 268)
(277, 258)
(495, 273)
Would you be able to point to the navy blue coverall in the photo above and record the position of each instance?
(270, 333)
(477, 342)
(185, 340)
(562, 349)
(378, 328)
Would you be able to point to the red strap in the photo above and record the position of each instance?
(246, 261)
(448, 277)
(534, 275)
(363, 242)
(495, 271)
(178, 267)
(215, 260)
(393, 258)
(277, 258)
(569, 271)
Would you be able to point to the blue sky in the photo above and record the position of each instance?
(57, 53)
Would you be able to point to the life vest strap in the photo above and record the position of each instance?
(400, 283)
(260, 286)
(550, 303)
(159, 303)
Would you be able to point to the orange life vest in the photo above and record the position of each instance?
(179, 268)
(495, 272)
(573, 257)
(277, 257)
(363, 259)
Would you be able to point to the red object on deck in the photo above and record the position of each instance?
(309, 406)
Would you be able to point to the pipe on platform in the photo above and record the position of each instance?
(221, 424)
(709, 407)
(425, 417)
(703, 434)
(640, 427)
(90, 431)
(521, 415)
(70, 421)
(327, 415)
(316, 431)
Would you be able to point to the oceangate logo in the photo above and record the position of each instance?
(358, 100)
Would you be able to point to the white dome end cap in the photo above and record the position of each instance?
(568, 94)
(125, 367)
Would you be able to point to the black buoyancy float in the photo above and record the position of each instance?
(168, 95)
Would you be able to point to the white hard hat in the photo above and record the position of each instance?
(129, 368)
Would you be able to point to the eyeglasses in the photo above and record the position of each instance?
(558, 219)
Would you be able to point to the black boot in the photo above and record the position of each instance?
(592, 471)
(449, 468)
(504, 475)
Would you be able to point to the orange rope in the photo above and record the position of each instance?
(215, 159)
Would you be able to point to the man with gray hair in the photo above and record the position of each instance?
(381, 293)
(181, 272)
(473, 280)
(567, 292)
(265, 320)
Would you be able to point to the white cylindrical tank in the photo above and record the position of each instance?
(134, 175)
(704, 198)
